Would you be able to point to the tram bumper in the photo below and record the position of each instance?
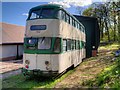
(38, 72)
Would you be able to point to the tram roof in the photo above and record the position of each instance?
(47, 6)
(53, 6)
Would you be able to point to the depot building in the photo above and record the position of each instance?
(11, 41)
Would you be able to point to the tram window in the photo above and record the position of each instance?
(80, 44)
(60, 14)
(77, 25)
(64, 45)
(67, 18)
(57, 45)
(73, 22)
(44, 43)
(84, 29)
(80, 27)
(76, 44)
(84, 45)
(47, 13)
(73, 44)
(68, 45)
(35, 14)
(63, 15)
(70, 20)
(32, 41)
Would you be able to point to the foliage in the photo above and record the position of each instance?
(111, 32)
(112, 47)
(88, 12)
(109, 78)
(108, 18)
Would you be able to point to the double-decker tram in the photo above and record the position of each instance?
(54, 41)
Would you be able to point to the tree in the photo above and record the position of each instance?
(106, 14)
(88, 11)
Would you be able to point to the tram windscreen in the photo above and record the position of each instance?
(42, 13)
(44, 43)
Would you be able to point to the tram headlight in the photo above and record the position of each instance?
(47, 63)
(27, 62)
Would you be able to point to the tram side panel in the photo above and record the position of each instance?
(50, 30)
(69, 32)
(58, 62)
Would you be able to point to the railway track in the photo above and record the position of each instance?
(59, 75)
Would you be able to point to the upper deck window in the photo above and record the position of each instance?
(42, 13)
(47, 13)
(35, 14)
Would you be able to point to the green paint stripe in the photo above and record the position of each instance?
(50, 51)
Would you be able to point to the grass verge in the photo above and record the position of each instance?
(19, 81)
(109, 78)
(112, 46)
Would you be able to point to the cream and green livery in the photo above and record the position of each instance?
(54, 41)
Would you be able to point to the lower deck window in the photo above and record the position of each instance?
(64, 45)
(69, 45)
(57, 45)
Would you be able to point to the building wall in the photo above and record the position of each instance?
(0, 51)
(20, 49)
(10, 51)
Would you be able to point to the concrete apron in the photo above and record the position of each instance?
(10, 73)
(10, 68)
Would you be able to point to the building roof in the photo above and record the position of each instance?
(11, 33)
